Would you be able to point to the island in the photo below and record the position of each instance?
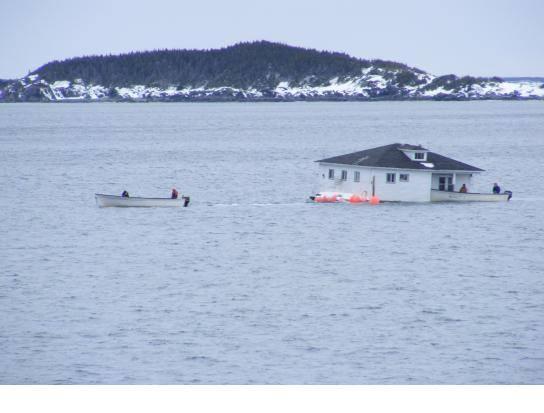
(250, 71)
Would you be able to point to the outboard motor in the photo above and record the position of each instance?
(509, 194)
(186, 200)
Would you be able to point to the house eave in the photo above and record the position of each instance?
(404, 169)
(414, 150)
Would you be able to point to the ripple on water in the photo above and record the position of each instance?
(251, 284)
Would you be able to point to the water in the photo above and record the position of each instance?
(250, 284)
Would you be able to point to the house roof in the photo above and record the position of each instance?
(409, 147)
(391, 156)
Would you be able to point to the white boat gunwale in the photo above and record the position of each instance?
(438, 195)
(139, 197)
(107, 200)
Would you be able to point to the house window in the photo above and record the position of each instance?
(445, 183)
(390, 178)
(404, 177)
(419, 155)
(344, 175)
(331, 173)
(356, 176)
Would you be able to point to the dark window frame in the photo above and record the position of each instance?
(391, 178)
(356, 176)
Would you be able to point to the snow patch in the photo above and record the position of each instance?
(364, 86)
(60, 84)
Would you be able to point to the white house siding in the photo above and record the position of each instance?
(337, 185)
(460, 179)
(417, 189)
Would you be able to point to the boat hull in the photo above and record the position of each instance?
(447, 196)
(103, 201)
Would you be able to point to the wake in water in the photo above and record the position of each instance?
(258, 204)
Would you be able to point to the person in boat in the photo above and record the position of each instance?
(175, 193)
(496, 188)
(125, 194)
(463, 189)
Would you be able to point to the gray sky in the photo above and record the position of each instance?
(499, 37)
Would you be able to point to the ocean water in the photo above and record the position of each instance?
(251, 284)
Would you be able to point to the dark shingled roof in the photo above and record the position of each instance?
(411, 147)
(391, 156)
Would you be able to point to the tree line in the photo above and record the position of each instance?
(253, 64)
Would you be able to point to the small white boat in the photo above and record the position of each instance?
(103, 200)
(444, 196)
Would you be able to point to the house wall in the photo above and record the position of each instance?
(417, 189)
(337, 185)
(460, 179)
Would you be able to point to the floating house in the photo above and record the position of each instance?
(399, 172)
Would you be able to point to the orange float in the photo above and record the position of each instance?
(374, 200)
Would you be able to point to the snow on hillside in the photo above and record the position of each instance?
(372, 83)
(491, 90)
